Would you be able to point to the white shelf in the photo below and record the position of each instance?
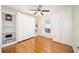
(8, 32)
(8, 27)
(8, 38)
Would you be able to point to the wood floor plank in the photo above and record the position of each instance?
(38, 44)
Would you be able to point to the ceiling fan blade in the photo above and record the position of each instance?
(33, 10)
(45, 10)
(42, 13)
(35, 13)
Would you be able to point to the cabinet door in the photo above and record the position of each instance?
(56, 32)
(25, 26)
(19, 27)
(56, 35)
(29, 27)
(66, 26)
(62, 26)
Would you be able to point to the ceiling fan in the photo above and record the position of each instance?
(39, 9)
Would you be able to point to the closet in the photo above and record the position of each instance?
(62, 25)
(25, 26)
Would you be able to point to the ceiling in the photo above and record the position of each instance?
(25, 8)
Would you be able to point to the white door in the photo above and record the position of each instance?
(56, 29)
(25, 26)
(62, 26)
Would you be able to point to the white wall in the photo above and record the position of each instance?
(62, 25)
(0, 30)
(25, 26)
(41, 26)
(76, 28)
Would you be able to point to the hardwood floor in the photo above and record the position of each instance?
(38, 44)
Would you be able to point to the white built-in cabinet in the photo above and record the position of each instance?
(8, 26)
(25, 26)
(62, 26)
(21, 27)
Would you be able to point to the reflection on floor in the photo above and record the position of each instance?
(38, 44)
